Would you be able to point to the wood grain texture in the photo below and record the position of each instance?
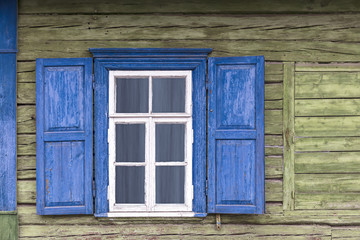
(8, 226)
(288, 135)
(7, 125)
(197, 6)
(309, 201)
(327, 85)
(327, 183)
(327, 126)
(170, 231)
(320, 144)
(327, 107)
(327, 162)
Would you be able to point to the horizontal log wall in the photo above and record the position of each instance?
(67, 28)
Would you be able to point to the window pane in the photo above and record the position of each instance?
(130, 185)
(132, 95)
(130, 142)
(170, 142)
(170, 184)
(168, 95)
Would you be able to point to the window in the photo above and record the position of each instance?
(176, 134)
(150, 141)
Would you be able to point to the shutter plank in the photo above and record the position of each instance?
(236, 135)
(64, 136)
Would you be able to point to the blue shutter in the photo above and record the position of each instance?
(64, 129)
(236, 135)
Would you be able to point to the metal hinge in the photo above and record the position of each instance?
(93, 81)
(192, 192)
(108, 135)
(93, 189)
(108, 192)
(206, 188)
(207, 85)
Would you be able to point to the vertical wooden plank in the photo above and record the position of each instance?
(8, 36)
(8, 226)
(288, 135)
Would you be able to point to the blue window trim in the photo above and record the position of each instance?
(150, 59)
(8, 50)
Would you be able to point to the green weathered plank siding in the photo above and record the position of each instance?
(288, 135)
(8, 226)
(327, 107)
(309, 201)
(329, 67)
(327, 126)
(327, 183)
(327, 162)
(334, 144)
(327, 85)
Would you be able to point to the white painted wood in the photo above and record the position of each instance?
(150, 208)
(149, 214)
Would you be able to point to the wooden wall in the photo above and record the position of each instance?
(312, 97)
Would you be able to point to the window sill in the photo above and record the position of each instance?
(150, 214)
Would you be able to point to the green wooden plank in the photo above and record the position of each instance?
(299, 50)
(327, 126)
(327, 85)
(180, 231)
(327, 144)
(8, 226)
(288, 130)
(327, 107)
(273, 167)
(273, 91)
(26, 145)
(231, 6)
(26, 119)
(25, 71)
(338, 67)
(327, 162)
(273, 122)
(327, 183)
(26, 93)
(348, 201)
(274, 105)
(347, 232)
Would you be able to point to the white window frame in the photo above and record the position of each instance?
(150, 208)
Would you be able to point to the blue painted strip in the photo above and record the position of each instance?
(8, 45)
(150, 52)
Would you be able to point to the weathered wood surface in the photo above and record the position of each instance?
(348, 232)
(327, 144)
(327, 162)
(189, 27)
(327, 126)
(198, 6)
(27, 191)
(348, 201)
(327, 183)
(327, 85)
(328, 67)
(8, 226)
(327, 107)
(171, 231)
(288, 135)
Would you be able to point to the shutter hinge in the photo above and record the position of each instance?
(93, 81)
(206, 188)
(108, 135)
(108, 192)
(207, 85)
(93, 189)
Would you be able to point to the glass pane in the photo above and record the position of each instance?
(130, 142)
(170, 142)
(130, 185)
(170, 184)
(168, 95)
(132, 95)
